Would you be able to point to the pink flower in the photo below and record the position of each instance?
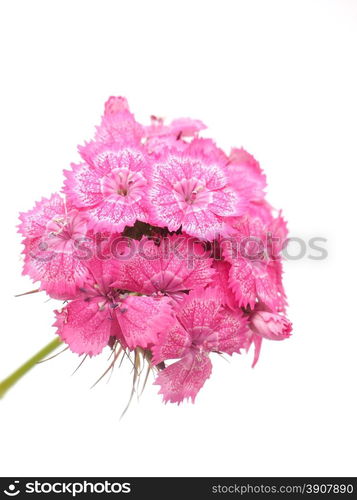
(55, 242)
(202, 325)
(141, 318)
(189, 192)
(171, 267)
(101, 311)
(268, 325)
(254, 255)
(111, 186)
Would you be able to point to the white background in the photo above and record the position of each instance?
(277, 77)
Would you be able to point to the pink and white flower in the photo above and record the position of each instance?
(111, 187)
(55, 241)
(191, 193)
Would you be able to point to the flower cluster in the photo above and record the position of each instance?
(163, 243)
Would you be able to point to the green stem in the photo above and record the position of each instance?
(7, 383)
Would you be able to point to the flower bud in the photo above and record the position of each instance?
(270, 325)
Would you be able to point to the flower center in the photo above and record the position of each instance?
(59, 227)
(165, 282)
(64, 230)
(191, 194)
(123, 185)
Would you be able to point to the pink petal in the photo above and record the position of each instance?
(101, 273)
(257, 341)
(246, 175)
(82, 186)
(112, 215)
(220, 280)
(207, 149)
(85, 325)
(231, 331)
(173, 342)
(160, 145)
(203, 224)
(184, 378)
(186, 127)
(34, 222)
(142, 318)
(199, 311)
(118, 124)
(228, 203)
(242, 282)
(267, 284)
(211, 326)
(279, 233)
(103, 158)
(260, 209)
(60, 274)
